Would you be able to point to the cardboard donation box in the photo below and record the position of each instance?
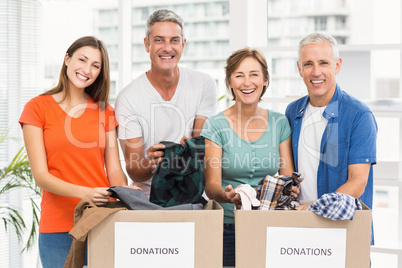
(302, 239)
(158, 238)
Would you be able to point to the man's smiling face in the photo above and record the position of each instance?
(318, 69)
(165, 45)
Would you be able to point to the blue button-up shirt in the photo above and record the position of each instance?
(349, 138)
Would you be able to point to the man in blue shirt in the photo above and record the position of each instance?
(333, 134)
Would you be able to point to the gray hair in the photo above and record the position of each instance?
(318, 38)
(162, 15)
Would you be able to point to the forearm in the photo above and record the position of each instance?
(198, 124)
(352, 188)
(58, 186)
(216, 192)
(357, 180)
(117, 178)
(139, 170)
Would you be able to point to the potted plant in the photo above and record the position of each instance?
(17, 175)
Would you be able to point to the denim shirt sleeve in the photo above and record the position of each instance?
(363, 139)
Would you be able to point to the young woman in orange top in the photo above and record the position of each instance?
(70, 138)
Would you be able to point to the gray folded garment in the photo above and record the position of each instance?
(137, 200)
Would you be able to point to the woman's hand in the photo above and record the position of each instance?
(99, 196)
(231, 195)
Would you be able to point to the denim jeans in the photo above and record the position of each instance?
(54, 249)
(228, 244)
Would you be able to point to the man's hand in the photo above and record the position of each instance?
(155, 154)
(184, 139)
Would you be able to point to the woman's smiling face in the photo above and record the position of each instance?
(247, 81)
(84, 66)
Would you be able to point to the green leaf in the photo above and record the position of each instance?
(18, 175)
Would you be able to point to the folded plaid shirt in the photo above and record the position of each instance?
(274, 192)
(336, 206)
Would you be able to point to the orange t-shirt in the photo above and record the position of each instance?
(75, 153)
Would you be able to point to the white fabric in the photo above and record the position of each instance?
(142, 112)
(248, 196)
(312, 129)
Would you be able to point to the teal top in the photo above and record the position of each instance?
(246, 162)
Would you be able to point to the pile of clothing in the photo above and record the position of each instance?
(273, 192)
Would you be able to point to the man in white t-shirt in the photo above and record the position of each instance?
(167, 103)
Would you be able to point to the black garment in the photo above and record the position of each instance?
(137, 200)
(179, 177)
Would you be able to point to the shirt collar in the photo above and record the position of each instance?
(332, 108)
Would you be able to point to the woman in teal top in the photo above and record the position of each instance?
(244, 143)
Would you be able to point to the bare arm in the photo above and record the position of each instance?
(139, 167)
(286, 157)
(198, 124)
(197, 128)
(357, 180)
(35, 147)
(114, 170)
(213, 176)
(287, 165)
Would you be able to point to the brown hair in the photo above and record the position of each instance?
(233, 62)
(98, 90)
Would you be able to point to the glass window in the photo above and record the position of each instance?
(225, 8)
(109, 34)
(340, 23)
(285, 79)
(138, 33)
(345, 18)
(108, 16)
(200, 10)
(112, 50)
(139, 52)
(320, 23)
(222, 49)
(274, 29)
(295, 25)
(385, 73)
(144, 13)
(222, 29)
(209, 10)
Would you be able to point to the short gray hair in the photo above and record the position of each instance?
(318, 38)
(162, 15)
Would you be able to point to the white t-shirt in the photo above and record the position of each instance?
(312, 129)
(142, 112)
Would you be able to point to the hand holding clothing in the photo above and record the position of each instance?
(231, 195)
(99, 196)
(155, 154)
